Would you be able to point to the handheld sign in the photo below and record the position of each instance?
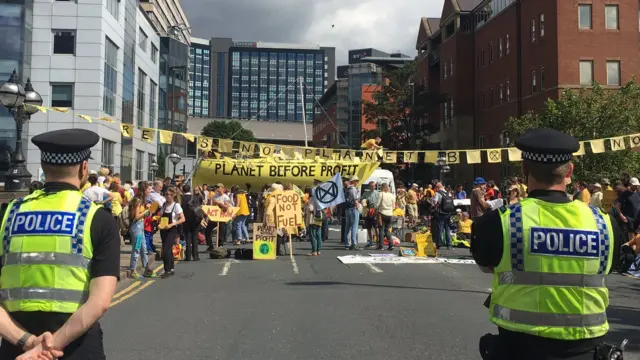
(214, 213)
(164, 222)
(264, 242)
(288, 210)
(608, 197)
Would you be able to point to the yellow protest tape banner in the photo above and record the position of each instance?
(214, 213)
(288, 209)
(261, 172)
(265, 239)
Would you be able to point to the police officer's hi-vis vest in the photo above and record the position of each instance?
(551, 279)
(46, 251)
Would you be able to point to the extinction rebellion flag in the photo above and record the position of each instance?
(330, 193)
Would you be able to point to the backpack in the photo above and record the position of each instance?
(189, 208)
(219, 253)
(446, 205)
(124, 221)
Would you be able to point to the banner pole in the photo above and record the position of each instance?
(290, 246)
(217, 236)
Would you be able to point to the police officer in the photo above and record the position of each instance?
(60, 256)
(549, 257)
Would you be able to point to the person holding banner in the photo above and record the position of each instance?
(171, 215)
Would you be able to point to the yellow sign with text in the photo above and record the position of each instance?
(422, 241)
(257, 174)
(288, 211)
(214, 213)
(265, 238)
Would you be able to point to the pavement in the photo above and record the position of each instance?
(311, 308)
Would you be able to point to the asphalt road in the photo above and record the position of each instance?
(318, 308)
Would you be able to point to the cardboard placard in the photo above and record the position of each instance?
(608, 197)
(214, 213)
(422, 241)
(288, 211)
(264, 242)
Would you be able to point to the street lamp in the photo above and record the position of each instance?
(19, 101)
(175, 159)
(153, 167)
(442, 161)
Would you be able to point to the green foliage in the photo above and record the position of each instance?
(592, 114)
(231, 130)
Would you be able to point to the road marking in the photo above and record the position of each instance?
(373, 268)
(134, 292)
(129, 288)
(294, 264)
(225, 268)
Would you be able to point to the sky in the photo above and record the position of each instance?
(387, 25)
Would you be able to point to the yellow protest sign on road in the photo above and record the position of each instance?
(214, 213)
(422, 240)
(264, 242)
(288, 211)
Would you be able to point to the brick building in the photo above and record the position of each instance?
(502, 58)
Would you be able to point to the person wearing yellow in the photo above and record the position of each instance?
(60, 258)
(372, 144)
(464, 227)
(116, 202)
(412, 205)
(549, 257)
(240, 221)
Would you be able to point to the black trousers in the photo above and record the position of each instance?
(343, 225)
(190, 236)
(168, 240)
(222, 235)
(282, 245)
(325, 229)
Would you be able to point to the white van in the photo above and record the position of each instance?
(380, 176)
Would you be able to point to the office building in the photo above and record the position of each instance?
(99, 60)
(260, 79)
(199, 77)
(502, 58)
(167, 18)
(16, 19)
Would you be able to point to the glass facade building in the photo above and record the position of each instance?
(199, 79)
(16, 18)
(265, 83)
(359, 75)
(128, 85)
(172, 93)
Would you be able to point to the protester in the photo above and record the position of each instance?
(96, 193)
(581, 192)
(223, 201)
(596, 197)
(460, 193)
(352, 202)
(314, 216)
(240, 221)
(385, 206)
(464, 227)
(190, 203)
(174, 214)
(370, 218)
(137, 212)
(443, 209)
(478, 204)
(155, 196)
(412, 205)
(514, 195)
(116, 200)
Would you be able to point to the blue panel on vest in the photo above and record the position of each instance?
(564, 242)
(44, 223)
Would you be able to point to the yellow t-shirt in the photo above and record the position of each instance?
(412, 197)
(242, 204)
(464, 226)
(85, 187)
(116, 203)
(369, 144)
(127, 195)
(584, 196)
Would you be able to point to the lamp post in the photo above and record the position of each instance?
(18, 101)
(442, 163)
(505, 142)
(153, 167)
(175, 159)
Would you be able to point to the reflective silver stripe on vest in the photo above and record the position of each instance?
(46, 258)
(75, 296)
(546, 319)
(550, 279)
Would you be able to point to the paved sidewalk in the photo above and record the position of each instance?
(125, 258)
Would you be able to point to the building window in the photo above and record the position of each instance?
(154, 53)
(444, 64)
(113, 6)
(142, 81)
(446, 112)
(110, 77)
(611, 17)
(64, 42)
(533, 30)
(507, 89)
(584, 16)
(543, 79)
(451, 110)
(541, 26)
(492, 96)
(62, 95)
(108, 154)
(142, 40)
(139, 165)
(491, 53)
(150, 160)
(506, 44)
(613, 73)
(450, 67)
(500, 94)
(482, 57)
(152, 103)
(500, 47)
(533, 82)
(586, 72)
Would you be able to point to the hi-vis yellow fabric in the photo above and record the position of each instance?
(46, 252)
(551, 278)
(261, 172)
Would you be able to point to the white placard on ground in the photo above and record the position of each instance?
(359, 259)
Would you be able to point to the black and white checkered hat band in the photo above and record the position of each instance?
(66, 158)
(547, 158)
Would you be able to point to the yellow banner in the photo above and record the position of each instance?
(264, 242)
(494, 155)
(204, 143)
(260, 173)
(148, 135)
(126, 130)
(165, 136)
(214, 213)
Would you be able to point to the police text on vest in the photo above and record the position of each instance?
(44, 223)
(564, 242)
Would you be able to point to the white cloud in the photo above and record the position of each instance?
(386, 25)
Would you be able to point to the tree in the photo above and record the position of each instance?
(587, 115)
(231, 130)
(400, 111)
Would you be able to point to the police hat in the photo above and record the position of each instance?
(547, 146)
(65, 147)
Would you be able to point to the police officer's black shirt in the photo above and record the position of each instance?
(105, 262)
(487, 246)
